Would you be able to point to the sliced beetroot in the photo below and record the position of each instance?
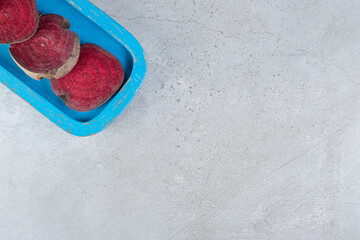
(95, 78)
(51, 53)
(18, 20)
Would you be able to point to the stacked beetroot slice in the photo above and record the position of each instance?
(51, 53)
(19, 20)
(44, 47)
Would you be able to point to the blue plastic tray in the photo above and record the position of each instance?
(93, 26)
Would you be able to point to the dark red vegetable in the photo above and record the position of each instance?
(18, 20)
(51, 53)
(95, 78)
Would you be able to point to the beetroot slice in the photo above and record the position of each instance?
(19, 20)
(51, 53)
(95, 78)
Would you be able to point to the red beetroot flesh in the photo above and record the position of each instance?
(18, 20)
(96, 77)
(48, 49)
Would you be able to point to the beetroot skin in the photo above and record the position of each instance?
(18, 20)
(95, 78)
(51, 53)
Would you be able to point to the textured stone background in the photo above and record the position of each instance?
(248, 127)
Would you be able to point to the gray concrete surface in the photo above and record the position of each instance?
(248, 127)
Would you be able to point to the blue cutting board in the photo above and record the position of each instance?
(93, 26)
